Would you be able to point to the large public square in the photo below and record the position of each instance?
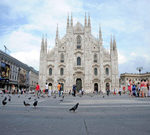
(116, 115)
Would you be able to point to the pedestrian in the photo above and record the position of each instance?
(37, 89)
(59, 89)
(120, 91)
(107, 90)
(142, 88)
(124, 88)
(13, 89)
(145, 91)
(74, 90)
(129, 87)
(46, 89)
(138, 90)
(148, 87)
(49, 90)
(133, 89)
(114, 91)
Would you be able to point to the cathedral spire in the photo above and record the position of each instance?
(114, 43)
(100, 34)
(57, 32)
(68, 21)
(89, 21)
(85, 22)
(42, 44)
(71, 20)
(45, 45)
(111, 44)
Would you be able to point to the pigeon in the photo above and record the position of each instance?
(29, 98)
(9, 99)
(19, 96)
(62, 99)
(35, 103)
(4, 101)
(74, 108)
(26, 104)
(103, 96)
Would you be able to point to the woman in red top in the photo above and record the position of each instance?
(37, 89)
(129, 87)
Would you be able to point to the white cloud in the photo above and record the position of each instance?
(121, 58)
(30, 58)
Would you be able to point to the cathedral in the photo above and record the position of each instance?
(79, 58)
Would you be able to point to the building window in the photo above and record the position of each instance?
(95, 58)
(61, 71)
(107, 71)
(78, 42)
(50, 71)
(95, 71)
(62, 57)
(78, 61)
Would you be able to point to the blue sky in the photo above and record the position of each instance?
(23, 22)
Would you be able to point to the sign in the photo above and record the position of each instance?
(4, 71)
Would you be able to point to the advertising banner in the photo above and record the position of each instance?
(22, 77)
(4, 70)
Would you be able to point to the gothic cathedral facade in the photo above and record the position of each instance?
(79, 58)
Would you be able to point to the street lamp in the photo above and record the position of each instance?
(139, 69)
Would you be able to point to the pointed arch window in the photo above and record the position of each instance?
(95, 58)
(78, 61)
(50, 71)
(107, 71)
(78, 42)
(95, 71)
(61, 71)
(61, 57)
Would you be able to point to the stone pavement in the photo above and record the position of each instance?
(116, 115)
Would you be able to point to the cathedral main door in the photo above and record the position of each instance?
(79, 84)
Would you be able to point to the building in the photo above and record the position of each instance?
(14, 72)
(33, 78)
(79, 58)
(125, 77)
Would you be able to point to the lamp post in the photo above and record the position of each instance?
(139, 69)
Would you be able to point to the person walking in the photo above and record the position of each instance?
(145, 91)
(138, 89)
(59, 89)
(148, 87)
(46, 89)
(37, 89)
(74, 90)
(49, 90)
(130, 87)
(133, 89)
(120, 91)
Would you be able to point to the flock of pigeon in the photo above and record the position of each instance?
(4, 102)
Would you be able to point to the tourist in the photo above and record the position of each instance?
(130, 87)
(142, 88)
(108, 91)
(114, 91)
(133, 89)
(49, 90)
(138, 90)
(74, 90)
(13, 89)
(46, 89)
(148, 87)
(59, 89)
(37, 89)
(145, 88)
(120, 91)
